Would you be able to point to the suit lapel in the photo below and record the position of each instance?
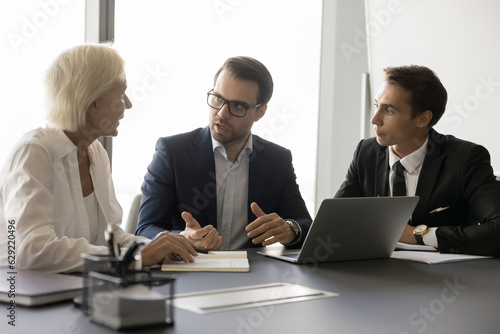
(202, 158)
(429, 173)
(258, 163)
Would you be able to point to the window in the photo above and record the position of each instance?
(34, 33)
(172, 50)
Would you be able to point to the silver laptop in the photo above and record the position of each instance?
(356, 228)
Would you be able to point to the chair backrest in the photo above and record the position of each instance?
(133, 214)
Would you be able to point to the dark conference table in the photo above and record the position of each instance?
(375, 296)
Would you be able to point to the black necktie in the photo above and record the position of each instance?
(399, 184)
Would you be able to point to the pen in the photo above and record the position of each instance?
(111, 243)
(202, 251)
(127, 258)
(129, 254)
(116, 247)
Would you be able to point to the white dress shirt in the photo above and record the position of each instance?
(413, 165)
(40, 191)
(96, 227)
(232, 195)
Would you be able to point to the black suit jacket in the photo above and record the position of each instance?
(181, 177)
(456, 176)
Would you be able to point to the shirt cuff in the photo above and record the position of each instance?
(430, 238)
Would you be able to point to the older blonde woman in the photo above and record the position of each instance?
(56, 192)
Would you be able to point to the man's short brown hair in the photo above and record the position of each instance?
(247, 68)
(427, 91)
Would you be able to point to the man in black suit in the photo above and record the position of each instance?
(459, 206)
(221, 186)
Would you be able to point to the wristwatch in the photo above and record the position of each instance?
(419, 232)
(294, 226)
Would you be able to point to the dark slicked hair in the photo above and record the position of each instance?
(247, 68)
(427, 91)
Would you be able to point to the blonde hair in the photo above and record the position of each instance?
(76, 78)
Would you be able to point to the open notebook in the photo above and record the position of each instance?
(228, 261)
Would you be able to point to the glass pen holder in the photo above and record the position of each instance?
(128, 301)
(97, 263)
(102, 263)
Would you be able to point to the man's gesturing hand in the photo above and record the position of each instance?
(204, 238)
(268, 228)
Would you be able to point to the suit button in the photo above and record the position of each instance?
(451, 250)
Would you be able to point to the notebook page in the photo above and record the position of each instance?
(213, 261)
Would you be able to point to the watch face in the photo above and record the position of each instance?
(293, 227)
(420, 228)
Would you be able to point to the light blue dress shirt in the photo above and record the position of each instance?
(232, 195)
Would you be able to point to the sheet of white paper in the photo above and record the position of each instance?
(434, 257)
(412, 247)
(247, 296)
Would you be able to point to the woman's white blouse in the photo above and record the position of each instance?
(41, 196)
(96, 229)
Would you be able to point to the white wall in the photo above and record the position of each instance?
(343, 61)
(459, 40)
(173, 49)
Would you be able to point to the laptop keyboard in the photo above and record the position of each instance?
(292, 255)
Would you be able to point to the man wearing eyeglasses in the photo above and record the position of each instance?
(221, 186)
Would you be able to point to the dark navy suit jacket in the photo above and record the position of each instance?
(456, 178)
(181, 177)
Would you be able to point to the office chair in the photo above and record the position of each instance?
(133, 215)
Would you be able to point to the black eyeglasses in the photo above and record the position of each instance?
(235, 108)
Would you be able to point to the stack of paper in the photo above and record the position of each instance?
(134, 306)
(229, 261)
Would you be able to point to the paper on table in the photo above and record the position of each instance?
(246, 296)
(412, 247)
(434, 257)
(228, 261)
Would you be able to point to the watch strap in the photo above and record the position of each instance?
(420, 239)
(295, 227)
